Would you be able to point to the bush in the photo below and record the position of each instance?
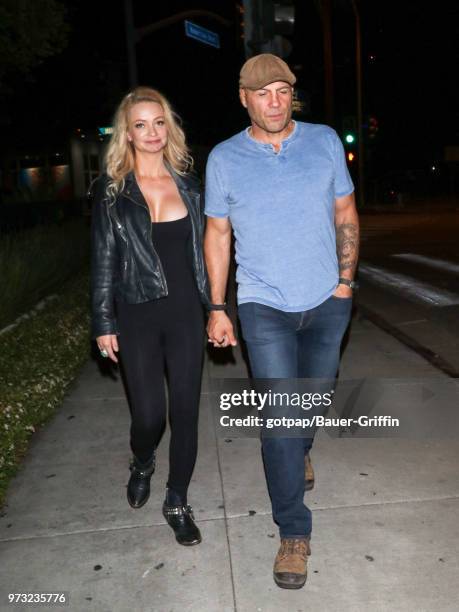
(35, 262)
(38, 360)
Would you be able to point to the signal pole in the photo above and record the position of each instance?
(130, 44)
(358, 66)
(328, 61)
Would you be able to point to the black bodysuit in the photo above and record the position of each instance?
(166, 334)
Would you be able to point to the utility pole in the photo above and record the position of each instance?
(130, 44)
(358, 65)
(328, 60)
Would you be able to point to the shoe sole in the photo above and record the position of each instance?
(289, 585)
(138, 505)
(189, 543)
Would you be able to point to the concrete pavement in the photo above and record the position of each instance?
(386, 534)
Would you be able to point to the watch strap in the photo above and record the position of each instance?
(346, 281)
(217, 306)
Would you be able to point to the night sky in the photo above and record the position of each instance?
(409, 59)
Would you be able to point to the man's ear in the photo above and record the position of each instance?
(243, 97)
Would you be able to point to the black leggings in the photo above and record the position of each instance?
(156, 337)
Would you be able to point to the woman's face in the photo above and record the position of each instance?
(147, 127)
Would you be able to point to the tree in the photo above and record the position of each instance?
(30, 31)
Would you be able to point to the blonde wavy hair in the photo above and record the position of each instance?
(120, 154)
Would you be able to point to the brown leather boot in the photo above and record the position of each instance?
(308, 473)
(290, 570)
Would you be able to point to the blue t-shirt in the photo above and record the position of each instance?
(282, 207)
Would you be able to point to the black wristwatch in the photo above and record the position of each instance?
(217, 306)
(349, 283)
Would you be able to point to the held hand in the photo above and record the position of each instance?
(220, 329)
(109, 344)
(343, 291)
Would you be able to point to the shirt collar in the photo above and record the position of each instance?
(269, 147)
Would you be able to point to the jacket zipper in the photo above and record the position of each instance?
(121, 230)
(123, 237)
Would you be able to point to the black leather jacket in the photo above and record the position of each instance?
(124, 263)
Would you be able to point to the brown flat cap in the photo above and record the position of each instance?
(264, 69)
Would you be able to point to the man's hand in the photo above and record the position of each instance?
(220, 329)
(109, 344)
(343, 291)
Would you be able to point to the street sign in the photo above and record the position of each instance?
(202, 34)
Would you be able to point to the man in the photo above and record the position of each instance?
(284, 189)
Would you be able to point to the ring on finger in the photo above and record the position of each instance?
(103, 352)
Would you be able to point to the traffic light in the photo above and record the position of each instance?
(266, 25)
(350, 138)
(373, 127)
(350, 129)
(240, 18)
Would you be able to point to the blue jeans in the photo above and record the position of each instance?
(292, 345)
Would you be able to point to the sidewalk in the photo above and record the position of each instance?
(386, 534)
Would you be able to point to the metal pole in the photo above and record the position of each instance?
(328, 61)
(130, 44)
(358, 64)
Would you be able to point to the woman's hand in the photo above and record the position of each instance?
(109, 344)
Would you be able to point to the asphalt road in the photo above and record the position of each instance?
(409, 280)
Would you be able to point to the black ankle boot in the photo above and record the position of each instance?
(138, 489)
(180, 518)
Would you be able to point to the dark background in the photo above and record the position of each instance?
(409, 75)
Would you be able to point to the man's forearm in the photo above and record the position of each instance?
(347, 244)
(217, 254)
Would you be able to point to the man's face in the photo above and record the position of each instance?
(270, 108)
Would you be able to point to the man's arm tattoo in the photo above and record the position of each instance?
(347, 246)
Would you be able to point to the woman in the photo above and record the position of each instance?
(149, 283)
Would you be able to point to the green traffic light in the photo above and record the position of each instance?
(349, 138)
